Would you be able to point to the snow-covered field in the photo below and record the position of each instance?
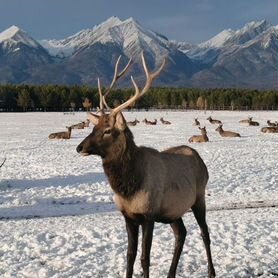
(58, 218)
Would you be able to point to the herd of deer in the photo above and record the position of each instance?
(149, 186)
(67, 134)
(271, 128)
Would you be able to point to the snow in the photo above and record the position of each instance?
(124, 33)
(58, 218)
(14, 35)
(218, 40)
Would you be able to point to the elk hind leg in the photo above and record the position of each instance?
(180, 234)
(199, 210)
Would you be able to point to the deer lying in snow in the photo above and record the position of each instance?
(61, 135)
(252, 123)
(149, 186)
(246, 121)
(270, 129)
(149, 122)
(199, 138)
(79, 125)
(271, 123)
(164, 121)
(212, 121)
(224, 133)
(196, 122)
(133, 123)
(87, 123)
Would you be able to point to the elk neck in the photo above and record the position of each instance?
(122, 166)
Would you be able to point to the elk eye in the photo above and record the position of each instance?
(107, 131)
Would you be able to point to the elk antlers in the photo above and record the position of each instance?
(138, 94)
(102, 100)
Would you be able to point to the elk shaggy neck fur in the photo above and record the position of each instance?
(122, 168)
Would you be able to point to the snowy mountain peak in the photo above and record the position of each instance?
(127, 34)
(9, 33)
(263, 24)
(218, 40)
(14, 35)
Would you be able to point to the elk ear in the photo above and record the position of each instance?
(120, 122)
(94, 119)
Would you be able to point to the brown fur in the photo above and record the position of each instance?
(270, 129)
(61, 135)
(212, 121)
(224, 133)
(133, 123)
(164, 121)
(149, 122)
(199, 138)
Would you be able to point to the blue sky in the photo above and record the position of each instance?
(184, 20)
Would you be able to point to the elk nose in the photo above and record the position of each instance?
(79, 148)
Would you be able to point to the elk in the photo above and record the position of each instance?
(147, 122)
(149, 186)
(252, 123)
(270, 129)
(196, 122)
(224, 133)
(79, 125)
(212, 121)
(199, 138)
(164, 121)
(61, 135)
(133, 123)
(87, 123)
(271, 123)
(246, 121)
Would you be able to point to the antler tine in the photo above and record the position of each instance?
(115, 78)
(101, 98)
(149, 79)
(150, 76)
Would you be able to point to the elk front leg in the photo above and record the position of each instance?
(180, 234)
(132, 233)
(147, 228)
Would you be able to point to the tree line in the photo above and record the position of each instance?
(76, 98)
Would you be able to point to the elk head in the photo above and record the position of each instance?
(111, 136)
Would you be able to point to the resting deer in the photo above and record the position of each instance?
(252, 123)
(87, 123)
(133, 123)
(224, 133)
(212, 121)
(164, 121)
(78, 126)
(270, 129)
(149, 186)
(271, 123)
(246, 121)
(61, 135)
(199, 138)
(150, 122)
(196, 122)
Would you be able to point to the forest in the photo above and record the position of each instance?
(22, 98)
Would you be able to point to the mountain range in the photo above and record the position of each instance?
(246, 58)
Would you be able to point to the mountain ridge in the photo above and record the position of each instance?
(232, 58)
